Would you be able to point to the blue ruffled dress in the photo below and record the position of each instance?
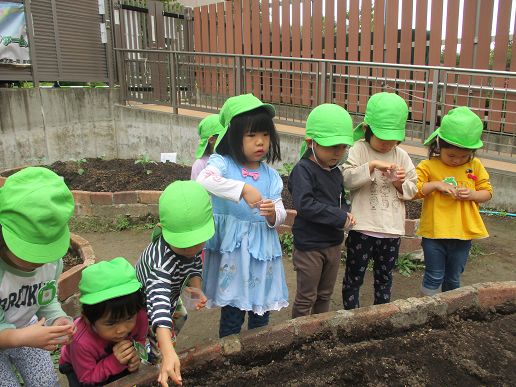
(242, 265)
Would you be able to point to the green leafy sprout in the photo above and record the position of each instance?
(288, 168)
(287, 242)
(145, 161)
(80, 170)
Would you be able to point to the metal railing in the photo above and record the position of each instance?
(202, 81)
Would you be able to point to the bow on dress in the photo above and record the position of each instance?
(246, 173)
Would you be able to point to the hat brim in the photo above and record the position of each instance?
(358, 132)
(36, 253)
(190, 238)
(201, 148)
(433, 138)
(107, 294)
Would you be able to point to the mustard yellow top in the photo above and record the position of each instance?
(444, 217)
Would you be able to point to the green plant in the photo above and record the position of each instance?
(406, 264)
(287, 242)
(101, 156)
(39, 160)
(183, 163)
(288, 168)
(122, 223)
(80, 170)
(145, 160)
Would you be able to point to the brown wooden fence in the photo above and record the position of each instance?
(298, 29)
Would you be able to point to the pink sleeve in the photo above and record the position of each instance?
(142, 326)
(87, 369)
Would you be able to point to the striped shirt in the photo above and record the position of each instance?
(162, 274)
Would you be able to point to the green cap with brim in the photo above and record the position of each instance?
(35, 207)
(107, 280)
(386, 114)
(238, 105)
(328, 125)
(210, 126)
(460, 127)
(185, 214)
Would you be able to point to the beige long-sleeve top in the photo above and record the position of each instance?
(376, 204)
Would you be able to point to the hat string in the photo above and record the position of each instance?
(317, 161)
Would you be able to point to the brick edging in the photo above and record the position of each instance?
(399, 315)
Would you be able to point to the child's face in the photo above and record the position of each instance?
(188, 252)
(453, 157)
(17, 263)
(382, 146)
(327, 156)
(115, 331)
(255, 146)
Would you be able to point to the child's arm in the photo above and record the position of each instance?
(234, 190)
(170, 365)
(481, 196)
(196, 282)
(35, 335)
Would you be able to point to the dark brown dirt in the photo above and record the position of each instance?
(118, 175)
(471, 349)
(71, 259)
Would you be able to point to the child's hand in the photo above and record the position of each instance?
(250, 194)
(400, 174)
(381, 165)
(268, 209)
(123, 351)
(39, 336)
(201, 303)
(73, 331)
(445, 188)
(134, 362)
(464, 193)
(351, 220)
(170, 368)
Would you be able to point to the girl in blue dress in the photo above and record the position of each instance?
(243, 269)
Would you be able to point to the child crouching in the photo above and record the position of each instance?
(112, 326)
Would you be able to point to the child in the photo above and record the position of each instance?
(322, 213)
(451, 182)
(113, 322)
(380, 177)
(243, 264)
(208, 130)
(172, 260)
(35, 207)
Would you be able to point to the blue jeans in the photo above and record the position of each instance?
(445, 260)
(232, 319)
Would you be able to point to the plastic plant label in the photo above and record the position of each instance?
(169, 157)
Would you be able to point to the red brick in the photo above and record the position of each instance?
(291, 214)
(153, 210)
(87, 211)
(458, 298)
(149, 197)
(411, 226)
(311, 325)
(268, 338)
(137, 210)
(147, 374)
(492, 294)
(371, 315)
(202, 355)
(282, 229)
(82, 197)
(408, 245)
(2, 180)
(102, 198)
(125, 197)
(68, 282)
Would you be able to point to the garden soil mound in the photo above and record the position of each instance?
(473, 350)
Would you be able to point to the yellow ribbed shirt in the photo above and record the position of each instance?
(444, 217)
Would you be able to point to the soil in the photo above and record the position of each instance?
(71, 259)
(477, 350)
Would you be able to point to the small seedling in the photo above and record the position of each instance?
(101, 156)
(80, 170)
(39, 160)
(288, 168)
(287, 242)
(145, 160)
(183, 163)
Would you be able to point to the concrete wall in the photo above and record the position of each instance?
(66, 123)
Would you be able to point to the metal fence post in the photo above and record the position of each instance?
(433, 110)
(238, 72)
(173, 85)
(322, 96)
(121, 74)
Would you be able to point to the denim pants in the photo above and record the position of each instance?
(232, 319)
(361, 248)
(445, 260)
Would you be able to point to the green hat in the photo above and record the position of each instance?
(460, 127)
(238, 105)
(328, 125)
(209, 126)
(106, 280)
(185, 214)
(386, 114)
(35, 207)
